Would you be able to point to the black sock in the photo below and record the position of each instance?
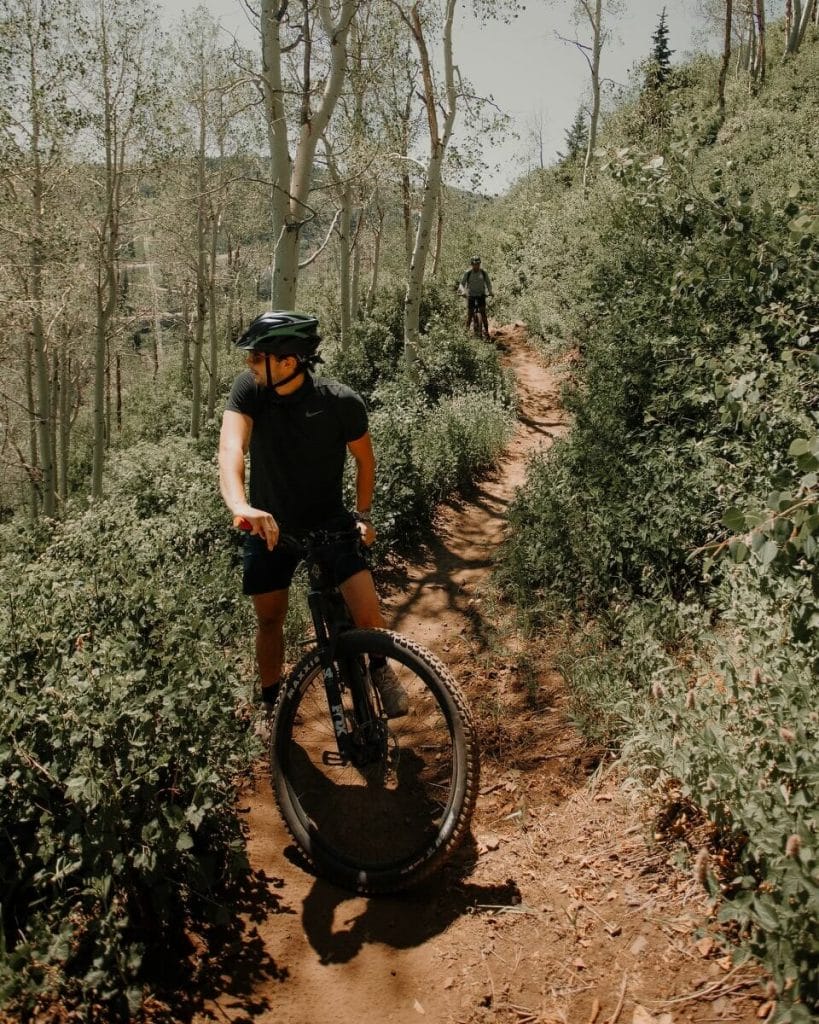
(270, 693)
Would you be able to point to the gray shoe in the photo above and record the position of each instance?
(393, 695)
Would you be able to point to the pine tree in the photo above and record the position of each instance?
(660, 60)
(577, 138)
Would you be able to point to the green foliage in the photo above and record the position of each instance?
(577, 137)
(450, 362)
(374, 351)
(120, 744)
(434, 429)
(428, 450)
(740, 730)
(660, 63)
(691, 284)
(696, 375)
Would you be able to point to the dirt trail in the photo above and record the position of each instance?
(560, 908)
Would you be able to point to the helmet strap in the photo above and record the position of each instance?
(300, 368)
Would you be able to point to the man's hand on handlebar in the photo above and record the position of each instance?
(262, 524)
(367, 532)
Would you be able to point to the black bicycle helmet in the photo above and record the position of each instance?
(282, 333)
(475, 259)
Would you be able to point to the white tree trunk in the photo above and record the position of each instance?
(292, 179)
(43, 411)
(355, 275)
(34, 458)
(213, 349)
(439, 139)
(159, 348)
(201, 282)
(345, 283)
(726, 54)
(596, 18)
(377, 233)
(760, 57)
(65, 424)
(272, 11)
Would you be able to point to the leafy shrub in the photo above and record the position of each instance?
(373, 354)
(740, 730)
(698, 302)
(449, 362)
(120, 743)
(461, 436)
(427, 451)
(671, 425)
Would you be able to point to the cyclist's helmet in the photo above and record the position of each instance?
(475, 259)
(282, 333)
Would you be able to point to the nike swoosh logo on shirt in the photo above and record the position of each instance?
(318, 412)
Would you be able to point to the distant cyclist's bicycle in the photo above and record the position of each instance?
(375, 804)
(476, 314)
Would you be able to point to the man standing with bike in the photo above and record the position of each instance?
(475, 285)
(298, 429)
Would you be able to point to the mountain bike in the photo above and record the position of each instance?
(476, 322)
(375, 804)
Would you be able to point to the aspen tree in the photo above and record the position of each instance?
(301, 27)
(122, 89)
(39, 121)
(443, 99)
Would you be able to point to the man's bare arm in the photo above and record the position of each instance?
(234, 439)
(362, 451)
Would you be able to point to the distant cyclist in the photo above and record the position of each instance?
(475, 285)
(298, 429)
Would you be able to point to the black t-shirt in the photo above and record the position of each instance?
(298, 446)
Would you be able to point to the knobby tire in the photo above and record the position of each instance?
(390, 824)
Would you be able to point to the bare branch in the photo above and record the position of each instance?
(582, 47)
(324, 244)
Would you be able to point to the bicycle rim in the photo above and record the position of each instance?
(391, 820)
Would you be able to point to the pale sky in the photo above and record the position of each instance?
(525, 67)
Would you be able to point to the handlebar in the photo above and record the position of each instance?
(311, 539)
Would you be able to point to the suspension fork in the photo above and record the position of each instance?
(327, 640)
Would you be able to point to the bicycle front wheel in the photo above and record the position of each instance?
(390, 815)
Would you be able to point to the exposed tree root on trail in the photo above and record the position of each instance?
(562, 906)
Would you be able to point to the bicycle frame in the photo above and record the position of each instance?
(331, 619)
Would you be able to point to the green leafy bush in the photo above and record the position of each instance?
(695, 422)
(120, 743)
(740, 730)
(428, 451)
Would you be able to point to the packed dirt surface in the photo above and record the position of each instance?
(563, 905)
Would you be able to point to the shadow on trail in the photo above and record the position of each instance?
(401, 922)
(440, 566)
(226, 962)
(549, 428)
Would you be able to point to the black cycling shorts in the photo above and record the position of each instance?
(265, 570)
(474, 302)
